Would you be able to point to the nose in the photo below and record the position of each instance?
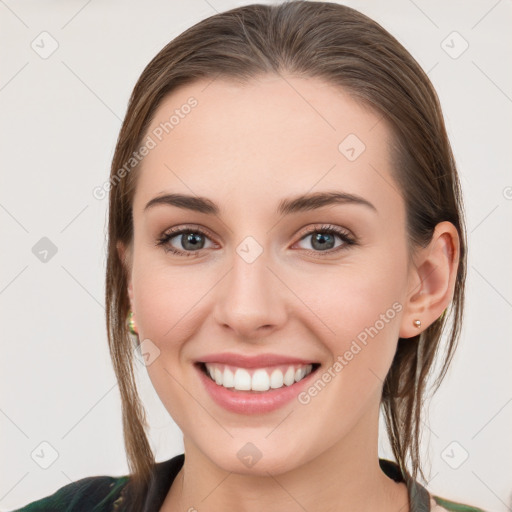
(251, 300)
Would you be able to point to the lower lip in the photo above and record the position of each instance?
(251, 402)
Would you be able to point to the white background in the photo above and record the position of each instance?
(59, 123)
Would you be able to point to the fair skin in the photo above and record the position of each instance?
(246, 148)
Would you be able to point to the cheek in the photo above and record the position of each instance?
(360, 311)
(166, 302)
(160, 301)
(352, 298)
(164, 299)
(365, 320)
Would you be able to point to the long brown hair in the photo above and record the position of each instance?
(344, 48)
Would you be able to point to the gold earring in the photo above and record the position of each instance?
(131, 324)
(417, 323)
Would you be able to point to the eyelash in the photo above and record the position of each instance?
(347, 239)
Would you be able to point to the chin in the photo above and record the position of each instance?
(247, 459)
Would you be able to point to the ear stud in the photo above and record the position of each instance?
(131, 324)
(417, 323)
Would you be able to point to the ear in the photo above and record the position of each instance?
(431, 280)
(124, 254)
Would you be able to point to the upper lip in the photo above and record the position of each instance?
(256, 361)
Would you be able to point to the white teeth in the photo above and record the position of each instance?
(242, 380)
(276, 379)
(289, 376)
(299, 374)
(261, 379)
(218, 376)
(228, 378)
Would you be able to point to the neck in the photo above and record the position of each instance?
(344, 478)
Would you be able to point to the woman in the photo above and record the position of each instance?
(285, 237)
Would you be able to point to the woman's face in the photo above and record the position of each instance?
(268, 280)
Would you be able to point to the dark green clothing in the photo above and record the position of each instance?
(105, 493)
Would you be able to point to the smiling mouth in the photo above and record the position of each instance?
(256, 380)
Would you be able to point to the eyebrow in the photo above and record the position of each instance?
(288, 206)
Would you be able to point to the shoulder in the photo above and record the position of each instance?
(438, 504)
(91, 494)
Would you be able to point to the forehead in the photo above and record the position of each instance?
(271, 136)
